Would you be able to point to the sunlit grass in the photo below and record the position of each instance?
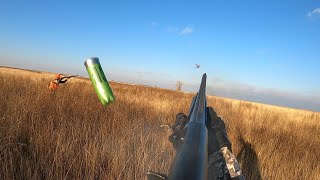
(70, 135)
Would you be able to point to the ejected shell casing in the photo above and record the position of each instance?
(99, 81)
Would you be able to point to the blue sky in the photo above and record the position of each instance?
(265, 51)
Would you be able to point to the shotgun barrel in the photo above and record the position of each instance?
(191, 161)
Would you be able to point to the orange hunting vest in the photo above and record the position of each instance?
(53, 85)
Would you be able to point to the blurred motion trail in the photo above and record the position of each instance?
(70, 135)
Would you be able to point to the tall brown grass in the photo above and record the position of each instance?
(70, 135)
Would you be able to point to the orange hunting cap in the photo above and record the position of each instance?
(58, 76)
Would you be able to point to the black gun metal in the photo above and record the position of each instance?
(191, 161)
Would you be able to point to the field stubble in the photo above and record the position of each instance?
(69, 135)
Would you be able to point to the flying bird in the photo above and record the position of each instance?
(197, 66)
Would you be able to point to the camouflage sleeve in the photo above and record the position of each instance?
(217, 167)
(222, 163)
(224, 166)
(232, 164)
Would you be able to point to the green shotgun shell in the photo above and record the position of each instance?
(99, 81)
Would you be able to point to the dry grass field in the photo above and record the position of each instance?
(70, 135)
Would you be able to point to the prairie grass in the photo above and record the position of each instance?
(70, 135)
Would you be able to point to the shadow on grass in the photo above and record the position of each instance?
(249, 161)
